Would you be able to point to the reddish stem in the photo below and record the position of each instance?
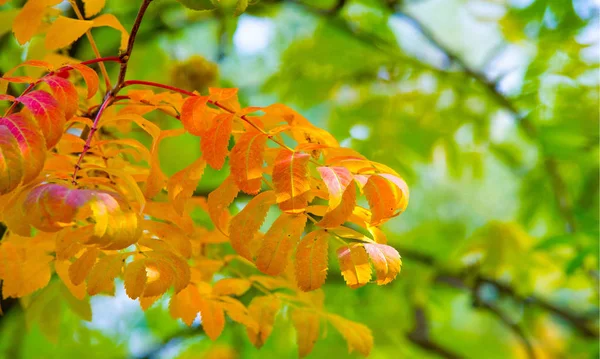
(102, 59)
(159, 85)
(88, 141)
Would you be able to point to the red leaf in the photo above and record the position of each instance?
(31, 143)
(47, 113)
(65, 93)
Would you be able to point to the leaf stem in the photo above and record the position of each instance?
(88, 34)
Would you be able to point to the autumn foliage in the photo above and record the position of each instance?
(82, 198)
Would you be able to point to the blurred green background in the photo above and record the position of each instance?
(488, 108)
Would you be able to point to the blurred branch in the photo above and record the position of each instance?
(505, 319)
(462, 280)
(171, 339)
(551, 165)
(420, 336)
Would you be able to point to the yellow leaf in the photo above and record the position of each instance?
(306, 323)
(358, 336)
(22, 271)
(64, 31)
(111, 21)
(245, 224)
(278, 243)
(231, 286)
(386, 261)
(354, 264)
(263, 309)
(29, 19)
(92, 7)
(79, 270)
(311, 260)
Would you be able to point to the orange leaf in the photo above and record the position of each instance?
(213, 317)
(337, 180)
(290, 179)
(226, 97)
(263, 310)
(311, 260)
(90, 77)
(103, 274)
(246, 161)
(278, 243)
(185, 304)
(337, 216)
(306, 323)
(354, 264)
(245, 224)
(219, 201)
(79, 270)
(385, 198)
(215, 140)
(47, 113)
(386, 261)
(64, 31)
(65, 94)
(195, 115)
(181, 185)
(62, 269)
(135, 278)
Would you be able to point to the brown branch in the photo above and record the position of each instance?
(420, 336)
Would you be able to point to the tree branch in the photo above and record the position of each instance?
(579, 322)
(110, 95)
(505, 319)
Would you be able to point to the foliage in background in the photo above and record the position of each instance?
(489, 109)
